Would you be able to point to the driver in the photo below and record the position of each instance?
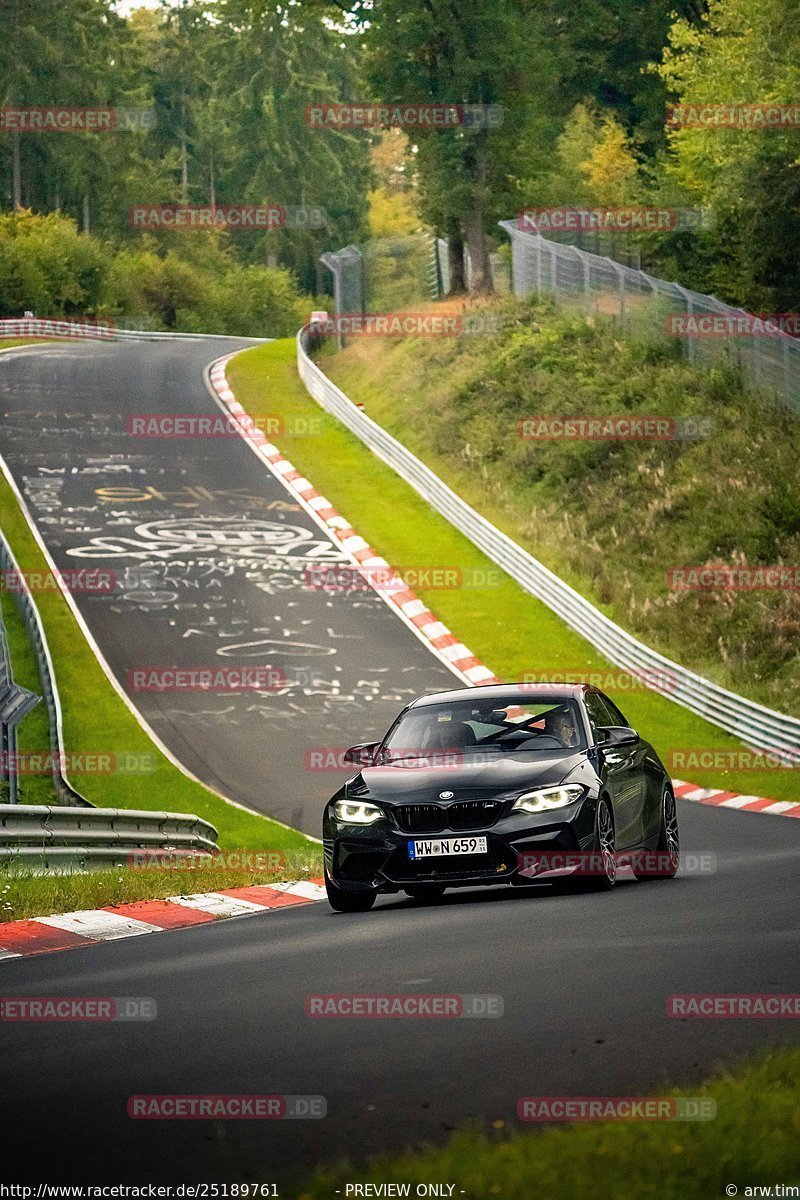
(562, 726)
(451, 736)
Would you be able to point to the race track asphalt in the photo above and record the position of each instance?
(212, 563)
(584, 982)
(584, 979)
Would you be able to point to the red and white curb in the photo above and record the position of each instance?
(442, 641)
(721, 799)
(392, 587)
(70, 931)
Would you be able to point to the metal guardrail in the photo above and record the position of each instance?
(29, 613)
(36, 836)
(15, 703)
(752, 723)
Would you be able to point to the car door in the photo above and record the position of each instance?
(623, 770)
(652, 773)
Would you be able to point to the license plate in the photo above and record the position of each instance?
(438, 846)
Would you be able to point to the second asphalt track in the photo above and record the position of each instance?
(584, 980)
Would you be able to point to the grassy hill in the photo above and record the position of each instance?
(612, 518)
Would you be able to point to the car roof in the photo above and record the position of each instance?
(506, 691)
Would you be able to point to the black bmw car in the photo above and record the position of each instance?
(499, 785)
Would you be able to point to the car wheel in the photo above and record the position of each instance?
(342, 901)
(667, 852)
(603, 872)
(423, 891)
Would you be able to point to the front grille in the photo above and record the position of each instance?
(474, 814)
(433, 818)
(420, 818)
(498, 863)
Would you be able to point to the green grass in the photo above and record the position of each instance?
(753, 1141)
(33, 732)
(29, 894)
(611, 518)
(96, 719)
(508, 629)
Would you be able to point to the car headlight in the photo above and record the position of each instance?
(356, 812)
(544, 799)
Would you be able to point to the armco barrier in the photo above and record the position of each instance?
(29, 613)
(753, 724)
(36, 837)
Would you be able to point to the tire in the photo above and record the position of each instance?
(604, 849)
(668, 847)
(422, 891)
(342, 901)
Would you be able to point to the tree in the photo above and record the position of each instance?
(58, 54)
(749, 178)
(459, 52)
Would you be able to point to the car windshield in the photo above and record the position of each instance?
(473, 727)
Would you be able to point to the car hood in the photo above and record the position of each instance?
(504, 775)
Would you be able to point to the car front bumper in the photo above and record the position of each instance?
(376, 857)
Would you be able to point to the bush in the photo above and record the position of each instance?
(48, 267)
(250, 302)
(195, 286)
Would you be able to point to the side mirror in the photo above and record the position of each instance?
(361, 756)
(617, 735)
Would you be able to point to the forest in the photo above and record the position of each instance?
(211, 102)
